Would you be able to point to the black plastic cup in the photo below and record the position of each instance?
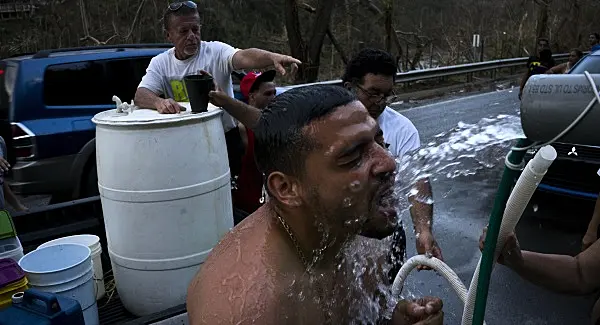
(198, 86)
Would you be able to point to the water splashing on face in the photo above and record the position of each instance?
(463, 151)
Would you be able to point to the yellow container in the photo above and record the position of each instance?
(7, 292)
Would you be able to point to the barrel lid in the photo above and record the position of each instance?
(150, 116)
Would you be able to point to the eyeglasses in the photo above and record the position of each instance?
(177, 5)
(379, 98)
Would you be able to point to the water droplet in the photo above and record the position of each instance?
(347, 202)
(535, 208)
(355, 186)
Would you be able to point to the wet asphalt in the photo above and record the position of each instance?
(462, 207)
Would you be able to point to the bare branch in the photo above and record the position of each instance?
(372, 7)
(135, 19)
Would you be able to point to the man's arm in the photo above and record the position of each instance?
(591, 234)
(562, 273)
(421, 212)
(246, 114)
(421, 201)
(150, 88)
(557, 68)
(145, 98)
(12, 199)
(253, 58)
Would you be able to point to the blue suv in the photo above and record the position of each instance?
(49, 98)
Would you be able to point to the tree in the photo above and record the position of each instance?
(307, 50)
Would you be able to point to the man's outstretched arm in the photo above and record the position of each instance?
(246, 114)
(421, 212)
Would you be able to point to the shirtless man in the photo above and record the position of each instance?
(298, 259)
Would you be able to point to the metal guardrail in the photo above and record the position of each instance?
(442, 72)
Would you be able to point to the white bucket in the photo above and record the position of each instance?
(93, 243)
(64, 269)
(11, 248)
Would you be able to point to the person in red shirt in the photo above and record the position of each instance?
(258, 90)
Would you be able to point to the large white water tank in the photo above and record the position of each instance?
(166, 196)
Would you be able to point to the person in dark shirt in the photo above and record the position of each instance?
(538, 64)
(594, 40)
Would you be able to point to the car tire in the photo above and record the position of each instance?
(90, 182)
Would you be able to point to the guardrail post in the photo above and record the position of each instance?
(469, 77)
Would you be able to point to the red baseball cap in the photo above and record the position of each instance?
(252, 80)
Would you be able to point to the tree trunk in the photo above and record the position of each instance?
(388, 25)
(309, 52)
(542, 20)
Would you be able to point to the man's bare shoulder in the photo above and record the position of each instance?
(240, 282)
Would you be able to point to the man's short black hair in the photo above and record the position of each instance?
(369, 60)
(281, 142)
(183, 11)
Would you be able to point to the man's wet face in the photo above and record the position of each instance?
(374, 91)
(184, 33)
(543, 45)
(261, 97)
(349, 176)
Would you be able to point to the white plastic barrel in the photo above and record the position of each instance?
(64, 269)
(93, 243)
(166, 197)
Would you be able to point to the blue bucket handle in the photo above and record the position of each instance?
(50, 304)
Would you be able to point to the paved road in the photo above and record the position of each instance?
(462, 207)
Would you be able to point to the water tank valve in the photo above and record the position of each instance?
(123, 108)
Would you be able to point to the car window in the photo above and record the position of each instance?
(589, 63)
(124, 76)
(93, 82)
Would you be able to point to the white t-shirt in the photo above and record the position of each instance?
(165, 73)
(398, 132)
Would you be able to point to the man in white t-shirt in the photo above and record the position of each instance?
(190, 55)
(370, 74)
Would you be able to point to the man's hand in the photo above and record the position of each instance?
(423, 311)
(280, 60)
(511, 253)
(168, 106)
(219, 98)
(4, 165)
(426, 244)
(587, 241)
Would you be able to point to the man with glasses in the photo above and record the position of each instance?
(371, 74)
(190, 55)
